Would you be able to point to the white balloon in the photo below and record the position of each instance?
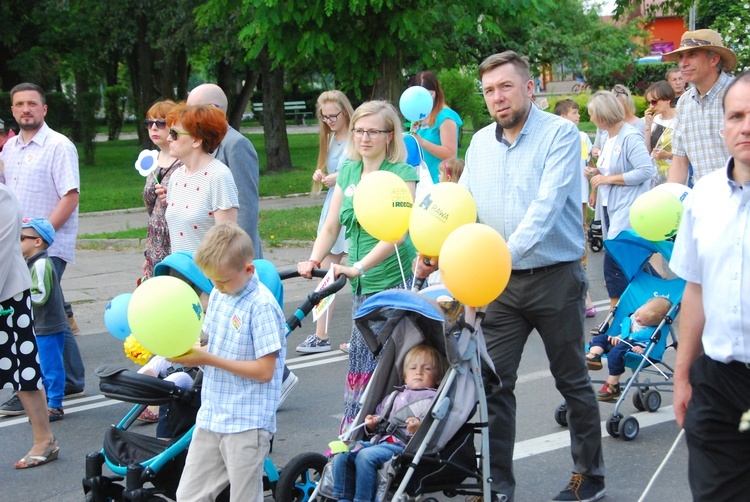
(679, 190)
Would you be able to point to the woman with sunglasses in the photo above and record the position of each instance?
(157, 240)
(623, 172)
(437, 134)
(375, 144)
(201, 191)
(659, 118)
(333, 110)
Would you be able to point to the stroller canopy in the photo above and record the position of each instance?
(631, 251)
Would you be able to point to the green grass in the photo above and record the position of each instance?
(275, 225)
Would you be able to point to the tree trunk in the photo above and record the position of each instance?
(243, 99)
(274, 122)
(388, 85)
(140, 63)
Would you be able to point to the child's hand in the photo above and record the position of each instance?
(371, 421)
(412, 424)
(638, 349)
(193, 357)
(614, 340)
(318, 175)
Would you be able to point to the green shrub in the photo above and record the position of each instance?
(636, 77)
(460, 86)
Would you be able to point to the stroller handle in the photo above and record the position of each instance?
(295, 320)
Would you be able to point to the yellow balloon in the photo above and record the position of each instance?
(475, 264)
(165, 316)
(382, 203)
(656, 214)
(445, 208)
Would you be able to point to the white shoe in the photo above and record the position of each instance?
(287, 385)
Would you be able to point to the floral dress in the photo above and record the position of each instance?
(157, 240)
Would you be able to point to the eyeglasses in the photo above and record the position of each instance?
(372, 133)
(329, 118)
(160, 123)
(28, 237)
(173, 133)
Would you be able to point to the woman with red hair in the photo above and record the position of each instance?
(201, 192)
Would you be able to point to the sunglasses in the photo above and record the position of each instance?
(160, 123)
(652, 102)
(173, 133)
(24, 237)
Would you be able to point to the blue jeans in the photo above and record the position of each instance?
(615, 353)
(355, 475)
(75, 373)
(53, 372)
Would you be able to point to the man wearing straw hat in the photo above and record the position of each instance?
(704, 61)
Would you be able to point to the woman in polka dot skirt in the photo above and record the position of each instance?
(19, 360)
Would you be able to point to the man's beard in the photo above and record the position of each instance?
(25, 125)
(514, 119)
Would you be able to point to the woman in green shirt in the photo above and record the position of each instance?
(375, 144)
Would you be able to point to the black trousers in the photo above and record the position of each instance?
(719, 455)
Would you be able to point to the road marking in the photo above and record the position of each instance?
(558, 440)
(318, 363)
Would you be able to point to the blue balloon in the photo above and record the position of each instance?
(415, 103)
(116, 316)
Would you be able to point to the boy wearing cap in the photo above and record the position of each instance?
(50, 320)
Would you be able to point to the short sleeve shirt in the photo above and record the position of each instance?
(192, 200)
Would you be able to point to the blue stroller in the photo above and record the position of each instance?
(141, 460)
(632, 253)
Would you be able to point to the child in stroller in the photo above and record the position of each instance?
(397, 418)
(635, 335)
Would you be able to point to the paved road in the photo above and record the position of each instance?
(309, 418)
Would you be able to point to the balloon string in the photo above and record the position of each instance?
(400, 265)
(414, 275)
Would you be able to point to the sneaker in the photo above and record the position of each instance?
(287, 385)
(594, 363)
(583, 488)
(12, 406)
(609, 392)
(74, 393)
(56, 414)
(313, 345)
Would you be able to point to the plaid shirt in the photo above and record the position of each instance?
(530, 191)
(242, 327)
(40, 174)
(697, 127)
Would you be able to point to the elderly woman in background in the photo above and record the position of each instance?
(437, 134)
(157, 241)
(334, 112)
(201, 192)
(624, 171)
(375, 144)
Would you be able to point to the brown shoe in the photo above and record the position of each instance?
(609, 392)
(73, 325)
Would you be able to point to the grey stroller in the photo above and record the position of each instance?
(442, 455)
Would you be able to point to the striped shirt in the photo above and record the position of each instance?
(242, 327)
(697, 128)
(192, 200)
(40, 173)
(530, 191)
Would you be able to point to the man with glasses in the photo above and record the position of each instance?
(237, 153)
(41, 169)
(697, 140)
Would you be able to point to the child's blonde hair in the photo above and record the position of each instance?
(659, 306)
(438, 360)
(224, 244)
(453, 168)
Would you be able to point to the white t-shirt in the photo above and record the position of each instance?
(603, 166)
(192, 200)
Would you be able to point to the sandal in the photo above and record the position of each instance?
(148, 416)
(344, 347)
(48, 455)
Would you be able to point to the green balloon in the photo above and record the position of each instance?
(656, 215)
(165, 316)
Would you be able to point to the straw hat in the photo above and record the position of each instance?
(709, 40)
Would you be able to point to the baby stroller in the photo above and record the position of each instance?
(631, 253)
(441, 456)
(141, 460)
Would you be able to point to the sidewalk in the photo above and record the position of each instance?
(114, 267)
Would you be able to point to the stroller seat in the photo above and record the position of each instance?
(123, 447)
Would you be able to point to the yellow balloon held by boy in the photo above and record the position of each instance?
(445, 208)
(656, 214)
(475, 264)
(165, 316)
(382, 203)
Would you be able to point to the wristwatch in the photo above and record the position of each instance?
(358, 265)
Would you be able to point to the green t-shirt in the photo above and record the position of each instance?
(386, 274)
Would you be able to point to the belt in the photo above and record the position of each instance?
(540, 270)
(739, 365)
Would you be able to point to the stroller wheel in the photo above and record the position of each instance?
(629, 428)
(561, 415)
(299, 478)
(596, 245)
(613, 425)
(638, 401)
(652, 400)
